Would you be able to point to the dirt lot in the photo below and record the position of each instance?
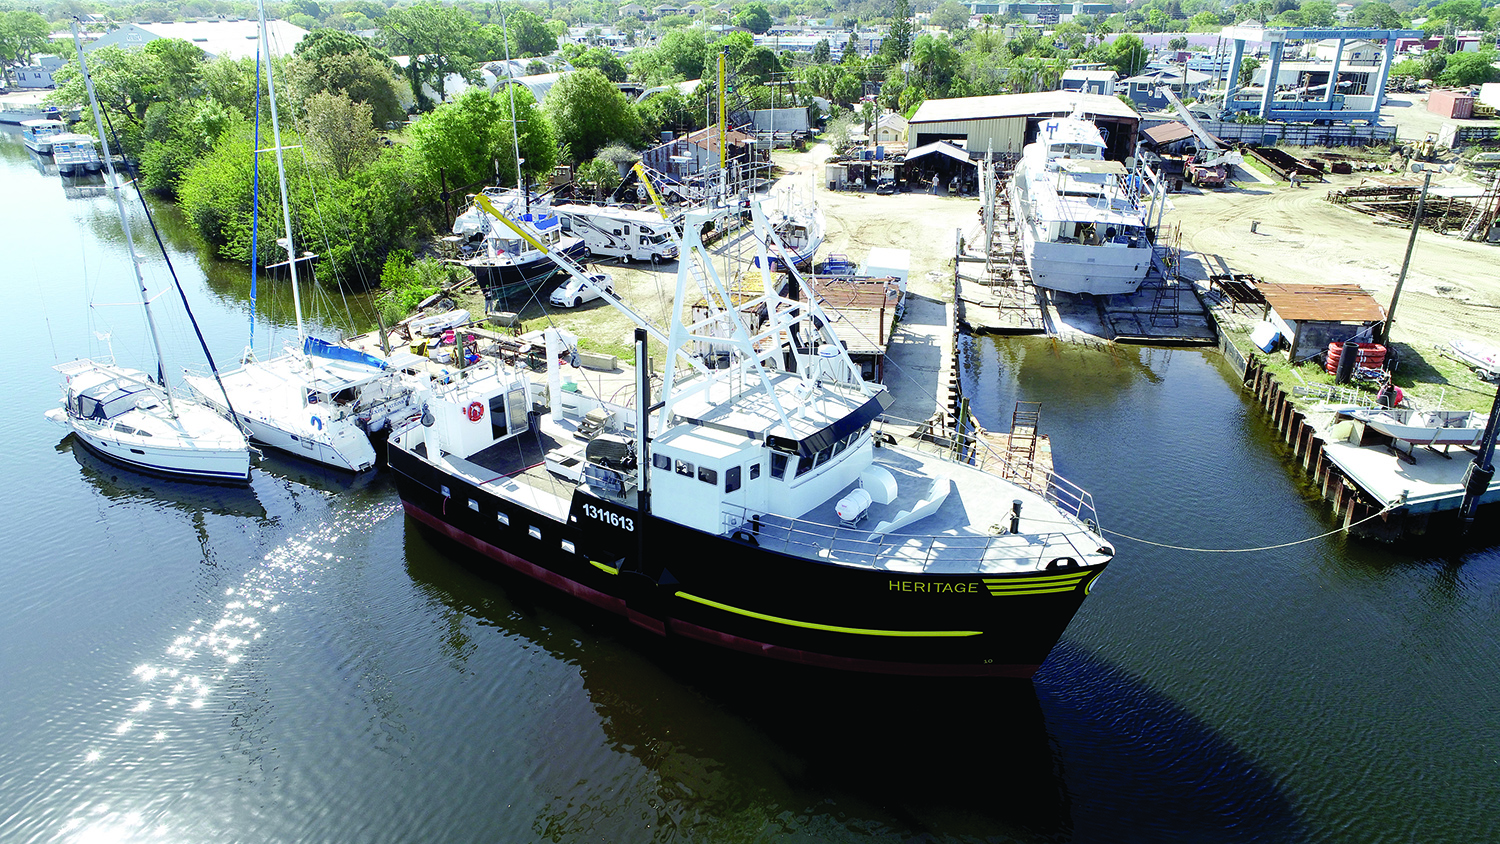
(1451, 288)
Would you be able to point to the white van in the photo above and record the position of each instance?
(620, 232)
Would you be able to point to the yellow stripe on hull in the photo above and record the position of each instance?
(833, 628)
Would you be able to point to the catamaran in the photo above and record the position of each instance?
(314, 399)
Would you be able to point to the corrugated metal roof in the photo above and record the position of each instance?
(942, 147)
(1166, 133)
(1322, 302)
(1021, 105)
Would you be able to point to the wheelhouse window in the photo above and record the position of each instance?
(754, 471)
(661, 461)
(731, 479)
(684, 468)
(778, 465)
(708, 476)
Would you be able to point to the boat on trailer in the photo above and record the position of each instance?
(766, 505)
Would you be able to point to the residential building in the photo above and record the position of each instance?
(1186, 84)
(236, 39)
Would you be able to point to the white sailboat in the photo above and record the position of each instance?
(124, 415)
(315, 400)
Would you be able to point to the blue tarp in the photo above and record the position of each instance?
(321, 348)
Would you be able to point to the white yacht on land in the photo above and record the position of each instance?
(316, 400)
(1083, 221)
(125, 416)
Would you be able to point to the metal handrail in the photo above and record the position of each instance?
(1058, 491)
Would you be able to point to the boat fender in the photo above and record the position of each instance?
(1062, 563)
(746, 537)
(475, 411)
(317, 422)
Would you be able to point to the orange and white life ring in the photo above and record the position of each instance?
(475, 411)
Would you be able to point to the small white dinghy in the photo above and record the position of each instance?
(1484, 359)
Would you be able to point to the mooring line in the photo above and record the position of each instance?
(1246, 550)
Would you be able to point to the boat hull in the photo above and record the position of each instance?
(227, 466)
(1098, 270)
(729, 592)
(501, 281)
(330, 440)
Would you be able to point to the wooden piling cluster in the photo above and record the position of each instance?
(1351, 503)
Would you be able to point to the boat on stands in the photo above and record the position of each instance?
(125, 416)
(37, 135)
(314, 399)
(1484, 360)
(505, 264)
(76, 155)
(800, 228)
(1083, 220)
(763, 504)
(1425, 427)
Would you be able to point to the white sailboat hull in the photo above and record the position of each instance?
(196, 443)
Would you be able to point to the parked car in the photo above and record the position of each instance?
(573, 292)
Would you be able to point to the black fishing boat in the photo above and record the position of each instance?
(505, 264)
(772, 509)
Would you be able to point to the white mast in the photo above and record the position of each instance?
(115, 186)
(286, 206)
(510, 90)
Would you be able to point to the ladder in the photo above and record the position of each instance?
(1020, 446)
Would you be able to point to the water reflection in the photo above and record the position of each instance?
(729, 748)
(125, 487)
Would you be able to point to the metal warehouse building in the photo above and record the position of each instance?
(1007, 122)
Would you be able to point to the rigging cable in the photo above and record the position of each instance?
(182, 294)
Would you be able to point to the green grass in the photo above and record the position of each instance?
(1428, 378)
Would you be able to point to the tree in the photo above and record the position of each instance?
(1463, 69)
(1248, 66)
(529, 34)
(951, 15)
(603, 175)
(822, 53)
(339, 132)
(437, 39)
(21, 35)
(359, 76)
(1127, 54)
(1178, 43)
(128, 82)
(605, 61)
(668, 111)
(754, 17)
(1204, 22)
(757, 67)
(848, 89)
(898, 38)
(467, 142)
(1377, 15)
(589, 112)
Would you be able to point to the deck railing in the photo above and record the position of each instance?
(856, 545)
(969, 450)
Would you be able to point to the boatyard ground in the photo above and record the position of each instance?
(1450, 291)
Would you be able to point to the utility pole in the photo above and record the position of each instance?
(1411, 242)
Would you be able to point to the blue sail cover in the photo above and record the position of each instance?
(314, 347)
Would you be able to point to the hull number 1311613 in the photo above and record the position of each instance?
(609, 517)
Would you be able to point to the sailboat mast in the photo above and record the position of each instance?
(115, 186)
(510, 89)
(286, 206)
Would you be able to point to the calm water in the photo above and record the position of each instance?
(294, 662)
